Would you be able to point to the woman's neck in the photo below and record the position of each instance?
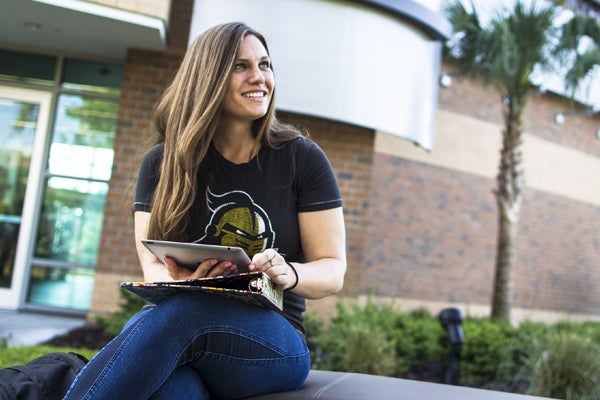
(235, 144)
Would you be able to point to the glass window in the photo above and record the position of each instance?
(92, 76)
(79, 168)
(30, 68)
(17, 131)
(84, 132)
(71, 221)
(61, 287)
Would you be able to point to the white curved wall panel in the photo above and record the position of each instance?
(343, 60)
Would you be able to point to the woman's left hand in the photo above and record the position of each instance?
(274, 265)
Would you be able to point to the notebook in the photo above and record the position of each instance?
(251, 287)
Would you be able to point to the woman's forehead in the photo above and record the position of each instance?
(252, 45)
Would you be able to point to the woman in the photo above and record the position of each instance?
(225, 171)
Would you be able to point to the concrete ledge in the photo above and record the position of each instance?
(328, 385)
(21, 328)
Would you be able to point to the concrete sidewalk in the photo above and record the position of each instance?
(25, 328)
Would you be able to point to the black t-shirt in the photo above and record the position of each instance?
(255, 205)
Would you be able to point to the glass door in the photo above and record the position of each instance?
(23, 130)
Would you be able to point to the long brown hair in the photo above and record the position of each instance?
(186, 119)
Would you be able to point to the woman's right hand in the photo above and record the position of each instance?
(207, 268)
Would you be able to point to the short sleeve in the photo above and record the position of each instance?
(147, 181)
(317, 185)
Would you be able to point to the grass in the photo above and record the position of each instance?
(566, 366)
(21, 355)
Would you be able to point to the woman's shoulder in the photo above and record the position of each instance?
(156, 150)
(301, 144)
(299, 148)
(152, 158)
(154, 154)
(306, 154)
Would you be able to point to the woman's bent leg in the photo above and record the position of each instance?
(183, 384)
(238, 350)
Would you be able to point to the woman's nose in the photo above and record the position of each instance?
(256, 74)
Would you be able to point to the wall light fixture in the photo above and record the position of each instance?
(445, 80)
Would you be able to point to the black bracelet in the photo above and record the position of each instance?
(295, 273)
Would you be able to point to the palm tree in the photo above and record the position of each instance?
(505, 52)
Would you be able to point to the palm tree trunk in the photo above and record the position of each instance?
(509, 198)
(505, 265)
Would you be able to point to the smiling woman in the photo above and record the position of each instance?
(225, 171)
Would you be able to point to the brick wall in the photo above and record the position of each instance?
(558, 258)
(432, 231)
(432, 237)
(473, 98)
(179, 27)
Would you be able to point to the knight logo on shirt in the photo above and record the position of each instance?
(236, 220)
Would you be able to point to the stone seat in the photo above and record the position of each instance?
(328, 385)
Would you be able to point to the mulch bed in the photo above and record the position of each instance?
(86, 337)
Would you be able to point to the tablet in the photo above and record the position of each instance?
(192, 254)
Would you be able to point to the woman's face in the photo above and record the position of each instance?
(251, 86)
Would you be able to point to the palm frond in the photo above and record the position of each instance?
(574, 30)
(569, 50)
(582, 66)
(505, 51)
(465, 46)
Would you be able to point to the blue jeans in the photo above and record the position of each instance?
(193, 345)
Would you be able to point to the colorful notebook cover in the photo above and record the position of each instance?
(251, 287)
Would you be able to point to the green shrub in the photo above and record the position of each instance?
(591, 330)
(565, 366)
(314, 331)
(358, 339)
(419, 339)
(488, 354)
(587, 329)
(367, 349)
(376, 338)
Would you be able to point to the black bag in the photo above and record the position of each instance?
(45, 378)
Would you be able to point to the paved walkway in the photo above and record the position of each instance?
(24, 328)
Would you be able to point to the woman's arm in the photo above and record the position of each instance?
(153, 268)
(323, 238)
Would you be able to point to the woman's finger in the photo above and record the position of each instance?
(267, 259)
(212, 268)
(281, 275)
(176, 271)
